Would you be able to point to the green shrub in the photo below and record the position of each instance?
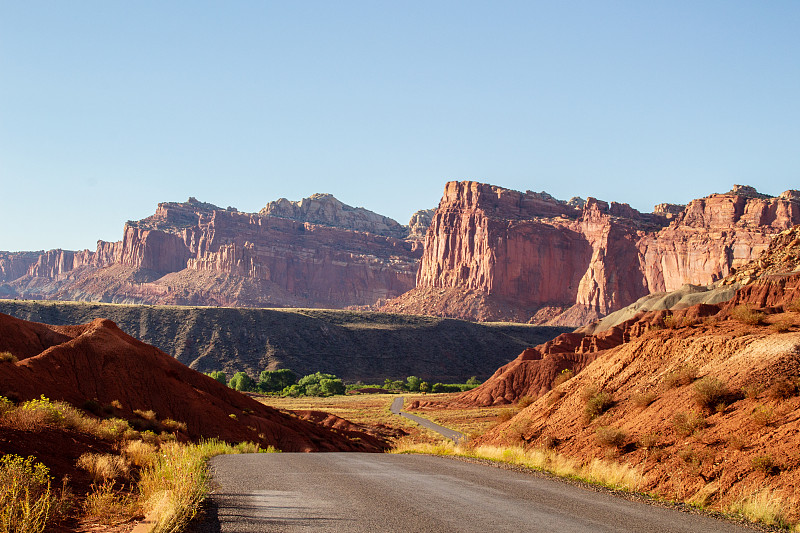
(8, 357)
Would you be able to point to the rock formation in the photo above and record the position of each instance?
(493, 253)
(317, 252)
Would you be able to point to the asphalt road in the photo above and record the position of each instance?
(368, 493)
(455, 436)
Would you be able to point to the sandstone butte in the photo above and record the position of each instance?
(98, 362)
(317, 252)
(497, 254)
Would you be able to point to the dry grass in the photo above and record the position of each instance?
(765, 463)
(525, 401)
(764, 506)
(564, 376)
(782, 389)
(110, 505)
(104, 467)
(8, 357)
(762, 416)
(140, 453)
(610, 474)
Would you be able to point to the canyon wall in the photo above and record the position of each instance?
(527, 256)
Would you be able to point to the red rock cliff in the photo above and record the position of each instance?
(529, 254)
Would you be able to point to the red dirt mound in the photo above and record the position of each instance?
(533, 372)
(97, 361)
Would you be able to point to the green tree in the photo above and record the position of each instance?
(319, 384)
(473, 381)
(437, 387)
(330, 387)
(241, 382)
(413, 383)
(292, 390)
(218, 375)
(276, 380)
(424, 386)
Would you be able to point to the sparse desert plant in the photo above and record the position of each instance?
(145, 415)
(683, 375)
(671, 322)
(764, 463)
(173, 425)
(8, 357)
(610, 437)
(783, 389)
(705, 494)
(554, 396)
(5, 405)
(762, 415)
(525, 401)
(710, 392)
(752, 390)
(747, 315)
(596, 403)
(103, 466)
(686, 424)
(563, 376)
(649, 441)
(764, 506)
(643, 399)
(548, 442)
(109, 504)
(26, 499)
(690, 456)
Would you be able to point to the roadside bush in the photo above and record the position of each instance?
(711, 392)
(596, 401)
(747, 315)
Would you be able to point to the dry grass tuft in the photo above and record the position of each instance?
(765, 463)
(525, 401)
(8, 357)
(764, 506)
(649, 441)
(103, 467)
(140, 453)
(564, 376)
(110, 505)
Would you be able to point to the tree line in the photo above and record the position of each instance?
(285, 383)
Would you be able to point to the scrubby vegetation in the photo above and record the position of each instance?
(142, 473)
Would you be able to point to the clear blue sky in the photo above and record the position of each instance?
(107, 108)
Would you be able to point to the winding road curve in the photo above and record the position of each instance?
(369, 493)
(455, 436)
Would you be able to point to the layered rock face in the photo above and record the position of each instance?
(314, 253)
(529, 256)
